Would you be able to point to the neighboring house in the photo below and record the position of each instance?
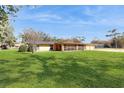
(99, 45)
(17, 45)
(63, 46)
(102, 44)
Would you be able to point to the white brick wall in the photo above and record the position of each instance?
(43, 48)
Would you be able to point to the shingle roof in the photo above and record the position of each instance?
(51, 43)
(42, 42)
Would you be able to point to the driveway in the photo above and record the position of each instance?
(109, 49)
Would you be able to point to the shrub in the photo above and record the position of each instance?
(23, 48)
(4, 47)
(31, 48)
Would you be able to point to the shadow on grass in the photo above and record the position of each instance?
(50, 71)
(3, 61)
(70, 74)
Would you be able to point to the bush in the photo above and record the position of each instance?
(23, 48)
(31, 48)
(4, 47)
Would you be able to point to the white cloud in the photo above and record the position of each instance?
(92, 12)
(31, 7)
(41, 17)
(48, 16)
(97, 18)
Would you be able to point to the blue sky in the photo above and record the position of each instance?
(71, 21)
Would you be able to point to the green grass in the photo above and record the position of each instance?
(61, 69)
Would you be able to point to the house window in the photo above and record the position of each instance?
(80, 47)
(69, 47)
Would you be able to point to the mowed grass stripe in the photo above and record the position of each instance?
(61, 69)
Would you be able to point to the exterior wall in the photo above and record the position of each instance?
(99, 45)
(17, 45)
(43, 48)
(89, 47)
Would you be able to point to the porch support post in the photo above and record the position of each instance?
(76, 47)
(62, 47)
(54, 47)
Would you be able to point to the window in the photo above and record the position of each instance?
(69, 47)
(80, 47)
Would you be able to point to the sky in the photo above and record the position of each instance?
(66, 21)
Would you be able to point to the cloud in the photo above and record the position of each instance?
(31, 7)
(48, 16)
(94, 12)
(40, 17)
(99, 15)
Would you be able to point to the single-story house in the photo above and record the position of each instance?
(66, 46)
(62, 46)
(43, 46)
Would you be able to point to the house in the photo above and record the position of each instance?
(17, 45)
(62, 46)
(66, 46)
(44, 46)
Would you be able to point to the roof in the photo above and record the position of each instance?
(71, 43)
(51, 43)
(68, 42)
(75, 43)
(89, 44)
(43, 42)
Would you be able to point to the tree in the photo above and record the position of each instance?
(32, 37)
(80, 38)
(10, 38)
(6, 36)
(113, 34)
(6, 11)
(121, 40)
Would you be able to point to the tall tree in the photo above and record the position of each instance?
(6, 36)
(121, 40)
(10, 38)
(113, 34)
(5, 12)
(80, 38)
(31, 36)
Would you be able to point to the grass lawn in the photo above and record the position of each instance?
(61, 69)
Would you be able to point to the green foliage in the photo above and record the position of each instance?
(6, 35)
(23, 48)
(27, 48)
(31, 48)
(5, 11)
(87, 69)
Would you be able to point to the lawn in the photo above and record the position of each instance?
(61, 69)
